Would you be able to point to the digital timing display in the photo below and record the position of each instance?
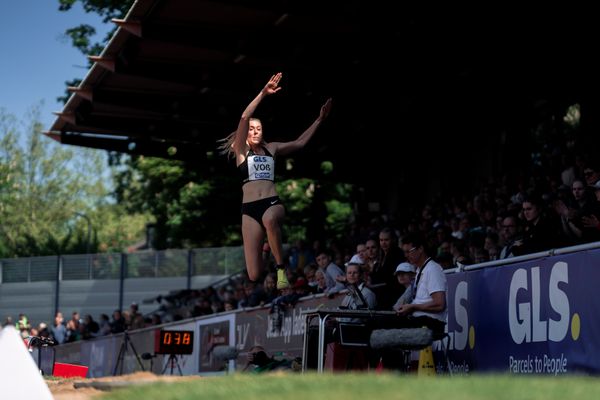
(174, 342)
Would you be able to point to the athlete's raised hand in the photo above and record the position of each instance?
(272, 86)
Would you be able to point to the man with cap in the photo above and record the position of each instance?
(405, 273)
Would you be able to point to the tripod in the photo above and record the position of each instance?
(122, 351)
(172, 360)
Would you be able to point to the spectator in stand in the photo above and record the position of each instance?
(541, 231)
(59, 330)
(372, 256)
(229, 305)
(253, 295)
(490, 245)
(89, 328)
(455, 226)
(76, 318)
(361, 251)
(321, 282)
(359, 296)
(591, 172)
(583, 203)
(511, 232)
(117, 325)
(270, 289)
(310, 273)
(405, 273)
(331, 271)
(73, 333)
(355, 259)
(383, 281)
(137, 322)
(104, 325)
(134, 311)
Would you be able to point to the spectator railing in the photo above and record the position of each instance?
(142, 264)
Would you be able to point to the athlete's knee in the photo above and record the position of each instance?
(271, 223)
(253, 276)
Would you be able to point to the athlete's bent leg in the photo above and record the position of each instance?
(272, 221)
(253, 237)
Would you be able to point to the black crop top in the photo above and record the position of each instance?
(257, 167)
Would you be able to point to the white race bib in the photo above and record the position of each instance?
(261, 168)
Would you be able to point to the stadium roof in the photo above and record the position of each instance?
(177, 75)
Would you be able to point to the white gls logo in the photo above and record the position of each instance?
(463, 334)
(524, 318)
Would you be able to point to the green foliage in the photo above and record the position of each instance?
(45, 189)
(105, 8)
(303, 203)
(81, 35)
(192, 208)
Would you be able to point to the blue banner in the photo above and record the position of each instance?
(533, 317)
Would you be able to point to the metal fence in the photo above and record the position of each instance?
(143, 264)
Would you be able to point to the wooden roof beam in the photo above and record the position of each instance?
(68, 117)
(84, 93)
(104, 62)
(133, 27)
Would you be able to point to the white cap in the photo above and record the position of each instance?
(355, 260)
(405, 267)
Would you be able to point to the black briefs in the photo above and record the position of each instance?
(256, 209)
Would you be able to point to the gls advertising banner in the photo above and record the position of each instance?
(534, 317)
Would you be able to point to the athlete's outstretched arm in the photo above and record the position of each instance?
(241, 134)
(289, 147)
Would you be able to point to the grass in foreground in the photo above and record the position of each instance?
(366, 387)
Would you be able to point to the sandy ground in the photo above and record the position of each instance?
(65, 389)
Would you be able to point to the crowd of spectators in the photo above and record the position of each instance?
(555, 203)
(78, 328)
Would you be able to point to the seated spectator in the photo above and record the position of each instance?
(90, 327)
(73, 333)
(511, 231)
(104, 325)
(321, 282)
(359, 296)
(269, 289)
(117, 325)
(428, 306)
(331, 271)
(405, 273)
(582, 203)
(310, 273)
(541, 231)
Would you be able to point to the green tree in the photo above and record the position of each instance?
(45, 187)
(191, 207)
